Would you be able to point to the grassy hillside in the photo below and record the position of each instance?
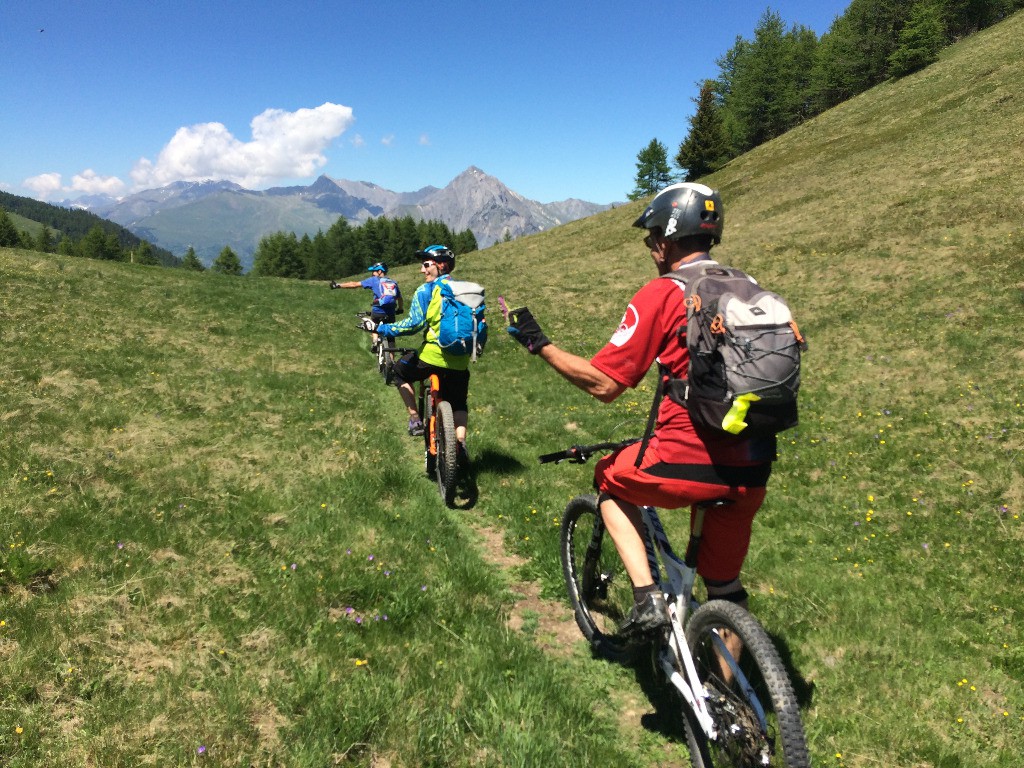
(28, 225)
(217, 547)
(30, 215)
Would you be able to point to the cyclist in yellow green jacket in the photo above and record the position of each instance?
(452, 370)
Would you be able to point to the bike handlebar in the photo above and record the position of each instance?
(580, 454)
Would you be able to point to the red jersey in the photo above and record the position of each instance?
(648, 333)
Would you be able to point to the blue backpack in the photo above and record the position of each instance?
(463, 329)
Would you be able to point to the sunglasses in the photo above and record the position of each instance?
(651, 241)
(429, 263)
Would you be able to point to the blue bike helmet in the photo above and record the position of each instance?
(440, 254)
(379, 265)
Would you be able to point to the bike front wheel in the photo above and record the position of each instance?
(447, 460)
(386, 364)
(599, 588)
(751, 700)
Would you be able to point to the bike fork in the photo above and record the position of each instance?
(675, 656)
(434, 388)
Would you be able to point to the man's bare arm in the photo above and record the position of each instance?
(580, 372)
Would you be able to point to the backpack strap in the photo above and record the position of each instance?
(652, 416)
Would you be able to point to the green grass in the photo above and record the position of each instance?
(196, 470)
(33, 228)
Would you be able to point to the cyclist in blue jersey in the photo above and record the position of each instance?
(387, 296)
(452, 371)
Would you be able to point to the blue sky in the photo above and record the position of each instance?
(555, 99)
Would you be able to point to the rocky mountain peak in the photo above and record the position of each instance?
(211, 214)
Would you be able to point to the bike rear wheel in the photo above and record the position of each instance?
(447, 452)
(758, 724)
(599, 588)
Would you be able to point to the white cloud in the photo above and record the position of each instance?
(89, 182)
(424, 140)
(284, 145)
(44, 185)
(358, 140)
(388, 140)
(47, 185)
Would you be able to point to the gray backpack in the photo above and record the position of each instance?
(744, 345)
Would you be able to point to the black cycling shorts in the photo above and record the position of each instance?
(454, 384)
(385, 314)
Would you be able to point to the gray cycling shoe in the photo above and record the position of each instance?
(646, 618)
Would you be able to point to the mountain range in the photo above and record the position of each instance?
(208, 215)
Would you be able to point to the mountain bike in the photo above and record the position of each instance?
(737, 710)
(440, 445)
(385, 354)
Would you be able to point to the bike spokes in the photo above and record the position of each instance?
(747, 691)
(599, 587)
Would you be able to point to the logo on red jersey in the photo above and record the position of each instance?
(627, 327)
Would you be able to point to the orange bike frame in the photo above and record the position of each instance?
(434, 395)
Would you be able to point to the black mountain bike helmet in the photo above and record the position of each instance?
(685, 209)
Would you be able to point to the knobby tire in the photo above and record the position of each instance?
(386, 365)
(447, 452)
(599, 588)
(741, 741)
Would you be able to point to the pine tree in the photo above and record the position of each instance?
(920, 41)
(44, 240)
(465, 242)
(652, 171)
(705, 148)
(144, 255)
(94, 244)
(191, 261)
(227, 263)
(112, 248)
(278, 255)
(9, 237)
(764, 100)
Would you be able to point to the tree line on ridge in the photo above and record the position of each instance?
(347, 250)
(770, 84)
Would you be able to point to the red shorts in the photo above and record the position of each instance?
(726, 534)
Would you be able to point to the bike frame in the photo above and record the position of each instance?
(679, 577)
(430, 387)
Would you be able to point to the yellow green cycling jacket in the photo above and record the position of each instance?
(425, 315)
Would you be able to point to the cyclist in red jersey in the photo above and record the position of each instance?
(682, 464)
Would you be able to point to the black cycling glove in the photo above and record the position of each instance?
(524, 329)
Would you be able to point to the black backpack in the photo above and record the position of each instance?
(744, 371)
